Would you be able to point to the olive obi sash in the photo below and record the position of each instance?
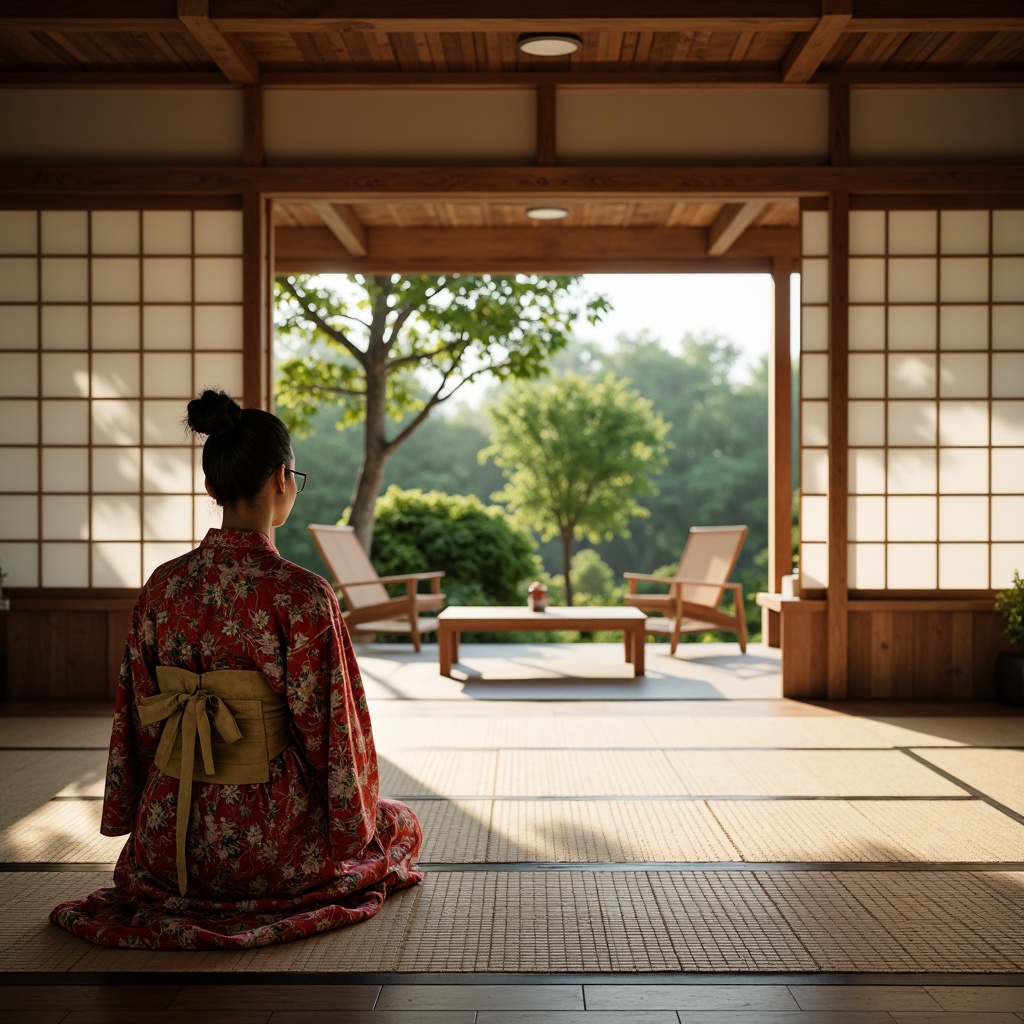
(239, 721)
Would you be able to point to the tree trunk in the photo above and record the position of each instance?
(375, 453)
(566, 562)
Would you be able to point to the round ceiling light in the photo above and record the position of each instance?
(549, 44)
(547, 213)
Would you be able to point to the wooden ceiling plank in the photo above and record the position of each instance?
(810, 49)
(741, 46)
(734, 219)
(236, 63)
(346, 227)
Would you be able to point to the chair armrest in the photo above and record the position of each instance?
(647, 578)
(405, 577)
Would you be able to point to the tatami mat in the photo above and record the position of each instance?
(602, 921)
(61, 831)
(997, 773)
(33, 777)
(55, 731)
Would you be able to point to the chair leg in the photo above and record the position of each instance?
(674, 641)
(415, 631)
(741, 621)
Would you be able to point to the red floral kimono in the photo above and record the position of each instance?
(310, 850)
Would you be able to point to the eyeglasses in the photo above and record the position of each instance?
(300, 480)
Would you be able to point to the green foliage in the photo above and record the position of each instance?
(486, 560)
(576, 453)
(1010, 604)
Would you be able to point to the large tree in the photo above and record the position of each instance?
(577, 452)
(384, 346)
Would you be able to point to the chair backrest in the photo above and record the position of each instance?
(710, 554)
(348, 563)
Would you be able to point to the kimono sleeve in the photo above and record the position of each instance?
(132, 747)
(332, 723)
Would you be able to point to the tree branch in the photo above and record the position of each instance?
(339, 336)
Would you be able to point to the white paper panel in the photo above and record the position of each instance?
(814, 423)
(167, 327)
(867, 471)
(224, 370)
(867, 376)
(218, 280)
(115, 421)
(1005, 558)
(1008, 231)
(19, 327)
(167, 232)
(813, 376)
(963, 566)
(64, 279)
(1008, 327)
(18, 375)
(65, 327)
(116, 517)
(814, 471)
(911, 518)
(963, 470)
(115, 327)
(65, 375)
(912, 376)
(867, 233)
(814, 329)
(813, 518)
(867, 327)
(167, 279)
(1008, 517)
(963, 423)
(168, 471)
(154, 555)
(19, 421)
(912, 566)
(912, 327)
(115, 375)
(117, 565)
(19, 232)
(162, 423)
(1008, 375)
(912, 232)
(65, 565)
(115, 280)
(867, 518)
(218, 232)
(18, 517)
(813, 565)
(814, 281)
(867, 280)
(1008, 279)
(1007, 470)
(19, 279)
(866, 566)
(867, 424)
(20, 563)
(963, 518)
(115, 232)
(912, 471)
(19, 470)
(65, 517)
(64, 231)
(963, 375)
(814, 233)
(219, 327)
(913, 280)
(167, 375)
(66, 422)
(964, 231)
(1008, 424)
(65, 469)
(116, 469)
(912, 423)
(208, 516)
(167, 518)
(963, 280)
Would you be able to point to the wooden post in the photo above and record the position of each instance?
(256, 320)
(839, 124)
(252, 126)
(780, 432)
(546, 126)
(838, 438)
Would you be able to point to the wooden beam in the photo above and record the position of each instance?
(511, 184)
(235, 62)
(811, 48)
(252, 126)
(547, 130)
(526, 249)
(838, 444)
(733, 220)
(780, 430)
(346, 227)
(839, 125)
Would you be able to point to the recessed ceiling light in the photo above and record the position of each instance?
(547, 212)
(549, 44)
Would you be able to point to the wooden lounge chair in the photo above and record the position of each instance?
(370, 608)
(695, 591)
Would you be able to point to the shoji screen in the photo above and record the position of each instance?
(110, 320)
(936, 399)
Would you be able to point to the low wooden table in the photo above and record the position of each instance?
(456, 620)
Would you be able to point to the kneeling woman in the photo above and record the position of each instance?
(241, 759)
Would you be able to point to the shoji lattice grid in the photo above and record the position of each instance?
(110, 321)
(814, 401)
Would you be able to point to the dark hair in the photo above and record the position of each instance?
(244, 447)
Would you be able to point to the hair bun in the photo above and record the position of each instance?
(213, 412)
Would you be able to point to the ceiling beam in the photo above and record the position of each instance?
(512, 184)
(733, 220)
(811, 48)
(235, 62)
(521, 250)
(346, 227)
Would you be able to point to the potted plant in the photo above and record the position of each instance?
(1010, 664)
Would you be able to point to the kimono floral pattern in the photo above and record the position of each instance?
(314, 848)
